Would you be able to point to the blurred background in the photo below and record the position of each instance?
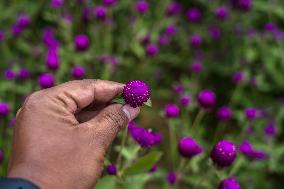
(234, 48)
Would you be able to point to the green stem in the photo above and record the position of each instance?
(219, 130)
(172, 134)
(203, 178)
(122, 145)
(197, 119)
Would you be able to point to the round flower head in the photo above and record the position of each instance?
(223, 153)
(171, 177)
(142, 6)
(247, 149)
(46, 80)
(2, 36)
(229, 183)
(171, 30)
(238, 77)
(152, 50)
(111, 169)
(4, 109)
(222, 12)
(82, 42)
(164, 40)
(193, 15)
(57, 3)
(23, 21)
(9, 74)
(196, 40)
(136, 93)
(1, 156)
(196, 66)
(178, 88)
(188, 147)
(251, 113)
(49, 39)
(214, 32)
(206, 98)
(23, 74)
(185, 100)
(100, 12)
(154, 168)
(109, 2)
(245, 5)
(173, 8)
(271, 27)
(224, 113)
(270, 130)
(78, 72)
(172, 111)
(52, 59)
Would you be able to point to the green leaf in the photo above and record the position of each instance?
(119, 100)
(148, 103)
(143, 164)
(105, 182)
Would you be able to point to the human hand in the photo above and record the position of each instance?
(62, 133)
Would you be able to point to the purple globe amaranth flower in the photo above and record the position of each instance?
(171, 30)
(46, 80)
(16, 30)
(271, 27)
(52, 59)
(144, 137)
(171, 177)
(196, 40)
(154, 168)
(260, 155)
(172, 111)
(178, 88)
(23, 74)
(111, 169)
(57, 3)
(136, 93)
(2, 36)
(224, 153)
(185, 100)
(81, 42)
(270, 130)
(78, 72)
(9, 74)
(222, 13)
(142, 6)
(248, 150)
(12, 122)
(109, 2)
(251, 113)
(164, 40)
(193, 14)
(23, 21)
(229, 183)
(188, 147)
(173, 9)
(245, 5)
(49, 39)
(196, 66)
(206, 98)
(152, 50)
(4, 109)
(1, 156)
(100, 12)
(224, 113)
(238, 77)
(214, 32)
(146, 39)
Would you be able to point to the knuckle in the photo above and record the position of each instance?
(115, 117)
(32, 100)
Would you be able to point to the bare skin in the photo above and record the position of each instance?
(62, 133)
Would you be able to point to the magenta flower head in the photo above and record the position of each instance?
(222, 13)
(78, 72)
(247, 149)
(251, 113)
(193, 15)
(52, 59)
(164, 40)
(196, 66)
(229, 183)
(171, 30)
(172, 111)
(173, 9)
(2, 36)
(171, 177)
(206, 98)
(23, 21)
(49, 39)
(81, 42)
(1, 156)
(100, 12)
(136, 93)
(23, 74)
(224, 153)
(224, 113)
(245, 5)
(109, 2)
(196, 40)
(57, 3)
(185, 100)
(270, 130)
(111, 169)
(9, 74)
(152, 49)
(4, 109)
(178, 88)
(46, 80)
(154, 168)
(188, 147)
(142, 6)
(238, 77)
(271, 27)
(214, 32)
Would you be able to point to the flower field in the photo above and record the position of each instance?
(213, 69)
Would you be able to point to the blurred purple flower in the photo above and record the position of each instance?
(178, 88)
(78, 72)
(154, 168)
(172, 111)
(185, 100)
(9, 74)
(224, 153)
(111, 169)
(164, 40)
(23, 74)
(244, 5)
(270, 130)
(142, 6)
(173, 9)
(224, 113)
(238, 77)
(46, 80)
(1, 156)
(52, 59)
(49, 39)
(57, 3)
(270, 27)
(196, 66)
(2, 36)
(196, 40)
(81, 42)
(251, 113)
(171, 30)
(206, 98)
(247, 149)
(4, 109)
(12, 122)
(188, 147)
(152, 49)
(229, 183)
(109, 2)
(23, 21)
(100, 12)
(171, 177)
(193, 14)
(222, 12)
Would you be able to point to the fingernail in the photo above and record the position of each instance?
(130, 112)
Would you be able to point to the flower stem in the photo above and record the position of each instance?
(122, 145)
(203, 178)
(172, 134)
(219, 131)
(197, 119)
